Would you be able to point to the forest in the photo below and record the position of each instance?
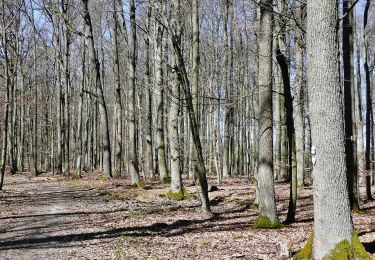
(187, 129)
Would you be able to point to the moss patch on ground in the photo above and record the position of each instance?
(166, 180)
(357, 210)
(263, 222)
(183, 194)
(140, 184)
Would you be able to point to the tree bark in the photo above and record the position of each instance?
(107, 164)
(266, 196)
(6, 106)
(133, 154)
(159, 97)
(368, 104)
(117, 118)
(149, 157)
(332, 216)
(299, 101)
(349, 103)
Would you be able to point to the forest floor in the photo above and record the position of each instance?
(55, 217)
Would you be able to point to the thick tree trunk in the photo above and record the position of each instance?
(332, 216)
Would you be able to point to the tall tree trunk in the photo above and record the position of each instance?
(107, 164)
(117, 118)
(200, 167)
(60, 107)
(35, 119)
(21, 153)
(176, 182)
(299, 100)
(133, 155)
(368, 104)
(4, 144)
(349, 103)
(149, 138)
(66, 162)
(228, 105)
(359, 118)
(332, 216)
(79, 151)
(292, 173)
(159, 97)
(266, 196)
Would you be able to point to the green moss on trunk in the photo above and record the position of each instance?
(306, 252)
(263, 222)
(183, 194)
(252, 180)
(343, 250)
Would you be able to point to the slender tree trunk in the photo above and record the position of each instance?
(292, 173)
(299, 101)
(133, 155)
(149, 138)
(6, 106)
(267, 202)
(228, 106)
(66, 162)
(35, 123)
(60, 106)
(359, 118)
(176, 182)
(349, 106)
(107, 165)
(159, 98)
(117, 119)
(80, 115)
(200, 167)
(21, 153)
(368, 104)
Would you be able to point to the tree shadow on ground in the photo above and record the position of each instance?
(177, 228)
(370, 247)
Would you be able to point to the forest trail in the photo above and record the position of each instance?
(45, 220)
(49, 217)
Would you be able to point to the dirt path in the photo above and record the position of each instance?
(44, 220)
(41, 218)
